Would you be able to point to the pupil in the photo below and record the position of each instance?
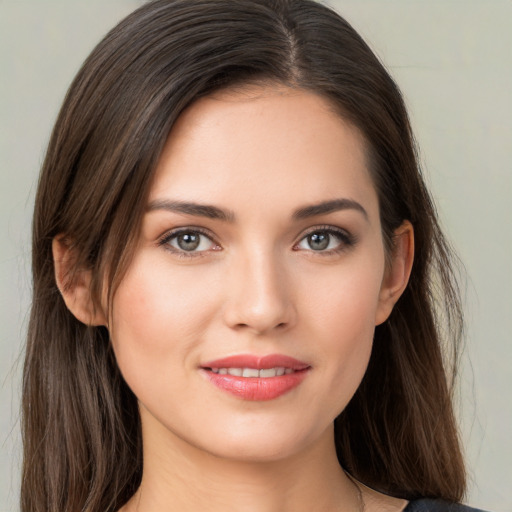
(318, 241)
(188, 241)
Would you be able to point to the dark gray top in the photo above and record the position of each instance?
(437, 506)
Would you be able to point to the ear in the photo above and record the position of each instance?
(74, 284)
(397, 272)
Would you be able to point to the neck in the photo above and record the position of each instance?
(178, 476)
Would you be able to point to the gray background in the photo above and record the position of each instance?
(453, 61)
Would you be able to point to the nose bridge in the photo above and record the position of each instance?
(259, 297)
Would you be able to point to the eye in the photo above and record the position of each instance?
(188, 241)
(326, 240)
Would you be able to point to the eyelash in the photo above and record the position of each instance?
(346, 240)
(165, 239)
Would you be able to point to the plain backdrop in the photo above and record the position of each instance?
(453, 62)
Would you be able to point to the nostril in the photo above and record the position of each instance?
(281, 325)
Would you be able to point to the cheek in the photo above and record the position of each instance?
(344, 300)
(155, 297)
(156, 321)
(342, 321)
(348, 324)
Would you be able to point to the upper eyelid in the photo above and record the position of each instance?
(325, 227)
(171, 233)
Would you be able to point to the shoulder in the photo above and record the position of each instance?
(437, 506)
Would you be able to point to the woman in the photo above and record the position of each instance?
(226, 310)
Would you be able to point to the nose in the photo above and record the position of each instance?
(259, 296)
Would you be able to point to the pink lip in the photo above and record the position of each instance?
(256, 388)
(257, 362)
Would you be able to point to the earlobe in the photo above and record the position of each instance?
(398, 272)
(75, 284)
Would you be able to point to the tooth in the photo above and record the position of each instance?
(250, 372)
(253, 372)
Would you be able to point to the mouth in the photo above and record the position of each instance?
(252, 373)
(256, 378)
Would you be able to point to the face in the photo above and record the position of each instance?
(244, 324)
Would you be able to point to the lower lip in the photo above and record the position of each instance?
(256, 388)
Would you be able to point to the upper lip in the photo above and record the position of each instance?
(257, 362)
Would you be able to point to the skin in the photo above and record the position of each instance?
(255, 285)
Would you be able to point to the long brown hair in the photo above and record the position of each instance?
(81, 426)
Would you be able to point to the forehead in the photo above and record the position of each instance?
(272, 144)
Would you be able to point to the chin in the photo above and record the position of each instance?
(259, 443)
(257, 450)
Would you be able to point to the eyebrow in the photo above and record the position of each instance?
(214, 212)
(188, 208)
(331, 206)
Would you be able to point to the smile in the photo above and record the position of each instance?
(256, 378)
(253, 372)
